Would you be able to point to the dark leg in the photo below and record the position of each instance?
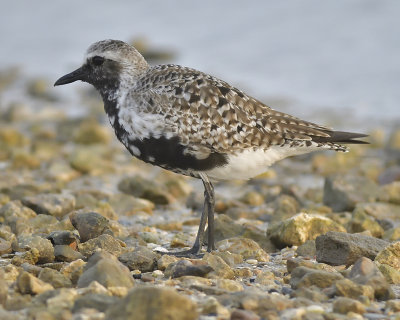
(210, 202)
(208, 206)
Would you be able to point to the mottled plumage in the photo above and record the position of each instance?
(192, 123)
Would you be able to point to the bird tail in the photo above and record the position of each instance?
(341, 137)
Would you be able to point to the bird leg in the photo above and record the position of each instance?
(207, 213)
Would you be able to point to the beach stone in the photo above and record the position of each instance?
(164, 261)
(307, 249)
(306, 277)
(146, 189)
(284, 206)
(63, 237)
(89, 225)
(100, 302)
(153, 303)
(350, 289)
(338, 248)
(11, 137)
(91, 132)
(55, 278)
(247, 248)
(65, 253)
(343, 192)
(392, 234)
(391, 192)
(391, 274)
(141, 258)
(379, 210)
(5, 246)
(346, 305)
(43, 246)
(394, 140)
(312, 293)
(393, 305)
(3, 288)
(29, 284)
(56, 205)
(91, 159)
(73, 270)
(211, 306)
(105, 268)
(363, 222)
(220, 267)
(15, 210)
(127, 205)
(300, 228)
(390, 255)
(104, 242)
(225, 228)
(365, 272)
(186, 268)
(238, 314)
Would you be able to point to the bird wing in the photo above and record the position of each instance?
(209, 113)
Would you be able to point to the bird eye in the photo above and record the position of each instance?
(97, 60)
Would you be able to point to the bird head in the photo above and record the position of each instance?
(107, 64)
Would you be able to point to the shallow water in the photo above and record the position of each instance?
(308, 57)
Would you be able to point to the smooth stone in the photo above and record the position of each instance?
(43, 246)
(365, 272)
(350, 289)
(300, 228)
(5, 247)
(127, 205)
(65, 253)
(361, 222)
(3, 288)
(247, 248)
(55, 278)
(307, 249)
(91, 132)
(104, 242)
(64, 237)
(337, 248)
(343, 192)
(29, 284)
(105, 268)
(312, 293)
(100, 302)
(73, 270)
(164, 261)
(220, 267)
(225, 228)
(141, 258)
(345, 305)
(15, 210)
(306, 277)
(238, 314)
(153, 303)
(187, 268)
(89, 225)
(56, 205)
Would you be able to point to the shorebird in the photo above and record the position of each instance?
(194, 124)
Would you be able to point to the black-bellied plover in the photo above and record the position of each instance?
(192, 123)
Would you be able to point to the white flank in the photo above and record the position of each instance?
(249, 163)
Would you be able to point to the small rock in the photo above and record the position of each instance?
(15, 210)
(229, 285)
(365, 272)
(343, 192)
(127, 205)
(247, 248)
(337, 248)
(105, 268)
(345, 305)
(91, 132)
(100, 302)
(91, 159)
(211, 306)
(186, 268)
(3, 288)
(312, 293)
(284, 206)
(300, 228)
(391, 274)
(29, 284)
(146, 189)
(55, 278)
(56, 205)
(165, 261)
(393, 305)
(153, 303)
(238, 314)
(225, 228)
(307, 249)
(65, 253)
(392, 234)
(390, 255)
(142, 259)
(73, 270)
(5, 246)
(89, 225)
(350, 289)
(104, 242)
(43, 246)
(306, 277)
(220, 267)
(252, 198)
(361, 222)
(391, 192)
(64, 237)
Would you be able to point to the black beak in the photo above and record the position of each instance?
(78, 74)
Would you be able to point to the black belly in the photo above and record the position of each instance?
(169, 154)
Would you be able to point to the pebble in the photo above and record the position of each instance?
(89, 225)
(56, 205)
(338, 248)
(141, 258)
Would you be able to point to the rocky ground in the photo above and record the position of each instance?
(82, 225)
